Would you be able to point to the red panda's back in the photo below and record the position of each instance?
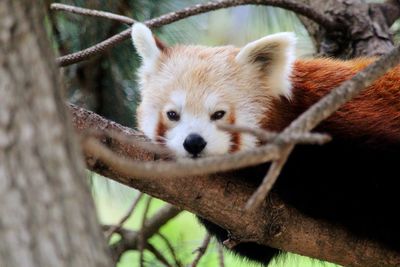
(375, 112)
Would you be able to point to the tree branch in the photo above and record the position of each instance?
(171, 17)
(130, 239)
(201, 250)
(92, 13)
(220, 199)
(115, 228)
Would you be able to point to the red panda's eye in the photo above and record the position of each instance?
(173, 116)
(217, 115)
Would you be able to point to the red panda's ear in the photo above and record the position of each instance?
(145, 44)
(273, 55)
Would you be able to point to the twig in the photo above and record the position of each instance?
(158, 149)
(142, 237)
(91, 12)
(322, 110)
(221, 255)
(268, 182)
(158, 254)
(201, 250)
(170, 249)
(293, 138)
(114, 228)
(129, 239)
(103, 46)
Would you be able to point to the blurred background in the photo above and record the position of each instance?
(107, 85)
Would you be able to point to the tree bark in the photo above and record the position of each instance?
(364, 32)
(47, 216)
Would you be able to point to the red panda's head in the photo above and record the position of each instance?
(187, 90)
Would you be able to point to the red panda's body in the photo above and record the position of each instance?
(353, 181)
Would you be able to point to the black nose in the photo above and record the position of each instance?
(194, 144)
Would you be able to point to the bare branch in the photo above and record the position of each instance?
(129, 239)
(293, 138)
(92, 12)
(201, 250)
(268, 182)
(142, 237)
(171, 17)
(170, 249)
(221, 255)
(158, 254)
(114, 228)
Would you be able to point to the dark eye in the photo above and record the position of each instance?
(173, 116)
(217, 115)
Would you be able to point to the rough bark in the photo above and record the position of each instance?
(221, 198)
(47, 216)
(364, 31)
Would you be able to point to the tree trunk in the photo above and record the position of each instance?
(364, 27)
(47, 216)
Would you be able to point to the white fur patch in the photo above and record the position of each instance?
(178, 98)
(218, 142)
(145, 45)
(149, 121)
(281, 46)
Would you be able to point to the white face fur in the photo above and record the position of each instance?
(187, 90)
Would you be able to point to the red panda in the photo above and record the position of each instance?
(353, 181)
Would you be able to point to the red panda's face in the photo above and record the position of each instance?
(188, 90)
(196, 95)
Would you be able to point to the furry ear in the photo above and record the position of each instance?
(273, 55)
(145, 44)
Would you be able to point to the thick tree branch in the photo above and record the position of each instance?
(221, 198)
(171, 17)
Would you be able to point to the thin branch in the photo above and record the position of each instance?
(142, 237)
(171, 17)
(221, 259)
(105, 135)
(130, 239)
(92, 13)
(158, 254)
(116, 227)
(268, 182)
(170, 249)
(201, 250)
(293, 138)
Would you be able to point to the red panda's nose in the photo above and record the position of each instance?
(194, 144)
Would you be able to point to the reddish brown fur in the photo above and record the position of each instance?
(375, 112)
(235, 136)
(161, 129)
